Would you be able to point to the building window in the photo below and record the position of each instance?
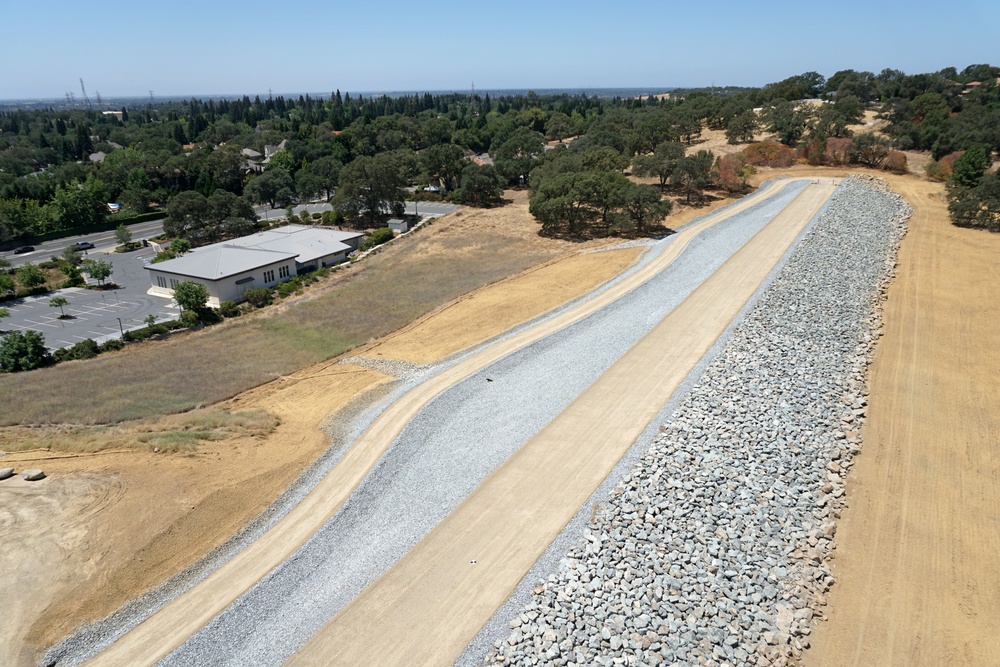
(161, 281)
(283, 272)
(269, 276)
(173, 283)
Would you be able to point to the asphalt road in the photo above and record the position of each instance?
(105, 241)
(101, 241)
(424, 208)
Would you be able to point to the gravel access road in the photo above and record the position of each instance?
(440, 451)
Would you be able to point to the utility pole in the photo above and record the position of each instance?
(84, 91)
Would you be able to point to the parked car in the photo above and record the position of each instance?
(23, 249)
(82, 245)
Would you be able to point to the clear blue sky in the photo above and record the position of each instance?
(208, 47)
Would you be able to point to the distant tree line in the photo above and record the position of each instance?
(203, 162)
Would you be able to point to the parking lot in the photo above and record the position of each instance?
(97, 314)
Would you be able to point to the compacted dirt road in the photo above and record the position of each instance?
(918, 550)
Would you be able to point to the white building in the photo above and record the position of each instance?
(230, 268)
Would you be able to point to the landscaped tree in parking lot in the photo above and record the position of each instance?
(191, 295)
(98, 269)
(59, 302)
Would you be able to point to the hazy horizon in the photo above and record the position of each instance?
(189, 49)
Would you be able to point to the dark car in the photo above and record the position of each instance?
(23, 249)
(82, 245)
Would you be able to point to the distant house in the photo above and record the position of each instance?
(252, 162)
(230, 268)
(270, 150)
(98, 157)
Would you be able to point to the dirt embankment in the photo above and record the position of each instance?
(918, 550)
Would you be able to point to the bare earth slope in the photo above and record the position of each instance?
(919, 548)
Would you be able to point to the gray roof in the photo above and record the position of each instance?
(306, 242)
(221, 261)
(249, 152)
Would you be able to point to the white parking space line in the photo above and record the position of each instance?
(41, 324)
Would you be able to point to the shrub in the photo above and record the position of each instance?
(229, 309)
(23, 351)
(85, 349)
(941, 170)
(814, 151)
(377, 237)
(151, 330)
(258, 297)
(895, 162)
(732, 172)
(289, 287)
(163, 256)
(317, 216)
(73, 276)
(838, 150)
(111, 344)
(769, 154)
(189, 318)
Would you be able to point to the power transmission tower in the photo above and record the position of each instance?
(151, 97)
(84, 91)
(99, 106)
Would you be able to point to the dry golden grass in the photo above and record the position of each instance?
(170, 433)
(415, 275)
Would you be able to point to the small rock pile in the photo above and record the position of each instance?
(714, 549)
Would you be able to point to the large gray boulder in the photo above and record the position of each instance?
(6, 472)
(32, 475)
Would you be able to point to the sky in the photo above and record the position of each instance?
(211, 47)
